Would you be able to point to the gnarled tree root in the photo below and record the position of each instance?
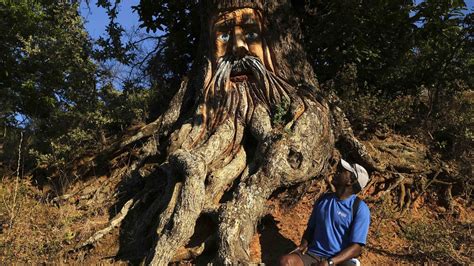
(116, 221)
(180, 226)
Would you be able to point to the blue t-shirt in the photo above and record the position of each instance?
(329, 225)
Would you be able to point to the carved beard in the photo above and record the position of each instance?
(225, 97)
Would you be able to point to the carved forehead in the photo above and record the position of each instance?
(243, 16)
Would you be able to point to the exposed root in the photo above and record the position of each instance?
(189, 253)
(238, 219)
(166, 214)
(116, 221)
(189, 205)
(219, 180)
(405, 194)
(394, 185)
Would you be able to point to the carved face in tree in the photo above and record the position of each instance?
(238, 33)
(252, 131)
(242, 77)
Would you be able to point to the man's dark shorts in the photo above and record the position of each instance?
(307, 258)
(310, 259)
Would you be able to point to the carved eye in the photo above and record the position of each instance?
(251, 36)
(224, 37)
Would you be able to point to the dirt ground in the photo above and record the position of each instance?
(46, 232)
(387, 241)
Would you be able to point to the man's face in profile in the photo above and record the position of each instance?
(342, 177)
(238, 33)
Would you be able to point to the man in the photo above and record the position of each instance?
(337, 228)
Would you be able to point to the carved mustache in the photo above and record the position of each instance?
(242, 65)
(222, 97)
(239, 67)
(250, 65)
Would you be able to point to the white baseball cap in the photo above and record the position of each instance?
(359, 172)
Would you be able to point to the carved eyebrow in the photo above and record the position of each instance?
(248, 20)
(250, 25)
(225, 23)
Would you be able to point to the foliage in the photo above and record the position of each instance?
(179, 20)
(47, 76)
(179, 25)
(397, 48)
(453, 127)
(403, 65)
(444, 50)
(51, 86)
(439, 241)
(45, 63)
(280, 113)
(340, 32)
(125, 107)
(370, 110)
(111, 45)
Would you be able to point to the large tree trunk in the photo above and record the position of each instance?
(225, 162)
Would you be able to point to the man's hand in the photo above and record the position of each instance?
(323, 263)
(352, 251)
(303, 247)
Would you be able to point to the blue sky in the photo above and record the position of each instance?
(96, 21)
(96, 18)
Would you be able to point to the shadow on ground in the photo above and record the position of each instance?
(273, 244)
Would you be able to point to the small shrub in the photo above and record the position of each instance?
(280, 113)
(368, 107)
(384, 212)
(439, 241)
(452, 127)
(373, 110)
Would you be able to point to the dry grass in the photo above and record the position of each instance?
(44, 232)
(421, 235)
(41, 231)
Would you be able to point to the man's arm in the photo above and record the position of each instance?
(352, 251)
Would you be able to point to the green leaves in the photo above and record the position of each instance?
(49, 78)
(179, 21)
(112, 46)
(45, 53)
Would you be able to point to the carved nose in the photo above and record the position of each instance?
(239, 47)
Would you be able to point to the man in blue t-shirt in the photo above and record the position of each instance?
(337, 228)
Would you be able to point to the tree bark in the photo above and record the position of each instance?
(285, 154)
(230, 166)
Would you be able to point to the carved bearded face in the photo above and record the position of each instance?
(242, 75)
(238, 32)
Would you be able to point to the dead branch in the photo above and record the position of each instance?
(394, 185)
(116, 221)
